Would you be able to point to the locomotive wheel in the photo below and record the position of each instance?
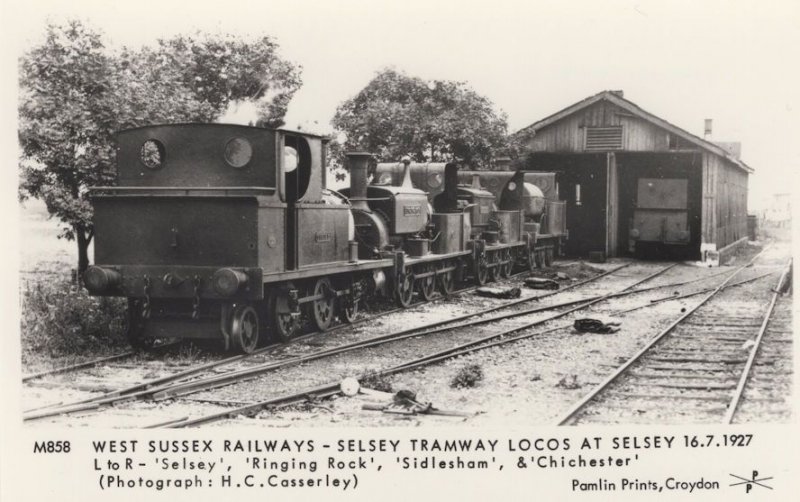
(539, 258)
(284, 324)
(244, 328)
(404, 290)
(446, 282)
(135, 327)
(322, 310)
(505, 268)
(531, 255)
(548, 257)
(348, 309)
(427, 285)
(481, 271)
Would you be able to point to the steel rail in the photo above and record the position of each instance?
(467, 348)
(689, 295)
(135, 390)
(737, 395)
(573, 411)
(168, 391)
(146, 388)
(333, 388)
(91, 363)
(245, 374)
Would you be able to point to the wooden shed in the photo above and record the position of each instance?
(603, 146)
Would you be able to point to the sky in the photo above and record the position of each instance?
(732, 61)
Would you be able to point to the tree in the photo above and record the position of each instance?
(397, 115)
(75, 93)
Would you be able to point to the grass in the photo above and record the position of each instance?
(377, 381)
(467, 377)
(61, 323)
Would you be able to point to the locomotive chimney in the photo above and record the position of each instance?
(476, 181)
(707, 129)
(358, 162)
(406, 183)
(447, 201)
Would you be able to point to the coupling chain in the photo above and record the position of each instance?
(146, 302)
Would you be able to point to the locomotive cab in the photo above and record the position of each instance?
(203, 218)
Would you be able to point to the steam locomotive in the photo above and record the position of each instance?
(660, 216)
(227, 232)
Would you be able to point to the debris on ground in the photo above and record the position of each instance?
(404, 402)
(569, 382)
(597, 325)
(502, 293)
(562, 276)
(541, 283)
(468, 376)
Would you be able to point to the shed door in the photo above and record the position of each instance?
(584, 190)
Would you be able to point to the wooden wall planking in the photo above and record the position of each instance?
(567, 135)
(724, 217)
(724, 185)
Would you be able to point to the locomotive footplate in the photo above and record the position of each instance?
(327, 269)
(434, 257)
(495, 247)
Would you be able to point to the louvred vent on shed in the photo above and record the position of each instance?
(604, 138)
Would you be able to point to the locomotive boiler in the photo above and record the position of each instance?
(227, 233)
(544, 213)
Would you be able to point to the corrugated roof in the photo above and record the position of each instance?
(635, 109)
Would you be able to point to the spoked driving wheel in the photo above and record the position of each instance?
(135, 324)
(284, 324)
(539, 258)
(507, 267)
(322, 309)
(481, 270)
(244, 328)
(548, 257)
(427, 284)
(531, 258)
(347, 305)
(348, 310)
(404, 290)
(446, 280)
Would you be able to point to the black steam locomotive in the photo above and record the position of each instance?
(227, 233)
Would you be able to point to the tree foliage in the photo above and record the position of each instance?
(397, 115)
(75, 93)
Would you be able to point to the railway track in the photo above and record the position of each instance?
(696, 368)
(326, 390)
(766, 397)
(176, 383)
(497, 339)
(364, 319)
(182, 388)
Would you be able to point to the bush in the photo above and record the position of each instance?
(376, 381)
(60, 319)
(468, 376)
